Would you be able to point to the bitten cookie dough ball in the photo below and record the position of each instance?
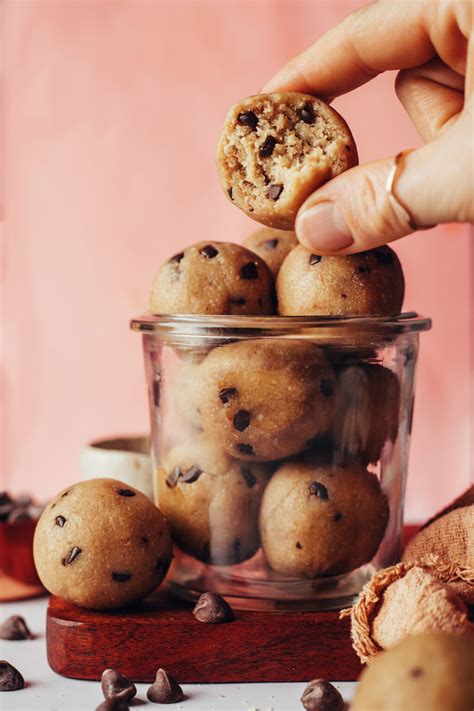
(101, 544)
(266, 399)
(368, 404)
(276, 149)
(213, 278)
(425, 672)
(211, 501)
(365, 284)
(272, 246)
(317, 521)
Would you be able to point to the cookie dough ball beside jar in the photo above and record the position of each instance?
(211, 501)
(266, 399)
(431, 671)
(276, 149)
(213, 278)
(319, 521)
(273, 246)
(101, 544)
(366, 284)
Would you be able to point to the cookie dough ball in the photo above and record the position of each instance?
(186, 393)
(101, 544)
(365, 284)
(317, 521)
(213, 278)
(272, 246)
(276, 149)
(266, 399)
(368, 404)
(431, 672)
(211, 501)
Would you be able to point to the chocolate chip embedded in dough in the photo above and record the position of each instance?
(275, 190)
(249, 271)
(250, 478)
(226, 393)
(229, 193)
(241, 420)
(126, 492)
(191, 475)
(314, 259)
(60, 521)
(121, 577)
(209, 251)
(72, 555)
(319, 490)
(248, 118)
(271, 243)
(176, 258)
(307, 114)
(245, 448)
(266, 149)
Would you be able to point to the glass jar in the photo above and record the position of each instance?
(280, 449)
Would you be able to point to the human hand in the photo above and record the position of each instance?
(432, 43)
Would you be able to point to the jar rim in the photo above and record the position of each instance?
(220, 326)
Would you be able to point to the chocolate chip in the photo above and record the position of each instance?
(113, 705)
(248, 118)
(213, 609)
(226, 394)
(249, 271)
(15, 627)
(319, 490)
(116, 686)
(275, 190)
(321, 695)
(266, 149)
(299, 546)
(144, 540)
(209, 251)
(337, 516)
(173, 477)
(250, 478)
(165, 689)
(191, 475)
(306, 114)
(245, 448)
(416, 672)
(177, 258)
(72, 555)
(65, 493)
(156, 390)
(270, 243)
(229, 193)
(363, 269)
(126, 492)
(326, 387)
(344, 296)
(241, 420)
(314, 259)
(10, 678)
(60, 521)
(383, 255)
(121, 577)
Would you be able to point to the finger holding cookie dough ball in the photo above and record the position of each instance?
(213, 278)
(318, 521)
(272, 246)
(276, 149)
(101, 544)
(365, 284)
(266, 399)
(211, 501)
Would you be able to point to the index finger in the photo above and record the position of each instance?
(378, 37)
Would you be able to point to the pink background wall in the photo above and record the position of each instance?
(112, 115)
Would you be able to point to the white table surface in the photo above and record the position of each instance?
(47, 691)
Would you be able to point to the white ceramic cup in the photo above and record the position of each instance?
(126, 458)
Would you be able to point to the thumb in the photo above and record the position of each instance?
(354, 211)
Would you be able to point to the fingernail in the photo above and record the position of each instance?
(323, 227)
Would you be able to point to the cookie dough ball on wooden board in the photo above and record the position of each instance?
(213, 278)
(367, 411)
(101, 544)
(272, 246)
(365, 284)
(425, 672)
(276, 149)
(266, 399)
(211, 501)
(317, 521)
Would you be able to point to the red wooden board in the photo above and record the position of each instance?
(256, 647)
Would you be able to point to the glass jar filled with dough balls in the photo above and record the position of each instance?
(280, 448)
